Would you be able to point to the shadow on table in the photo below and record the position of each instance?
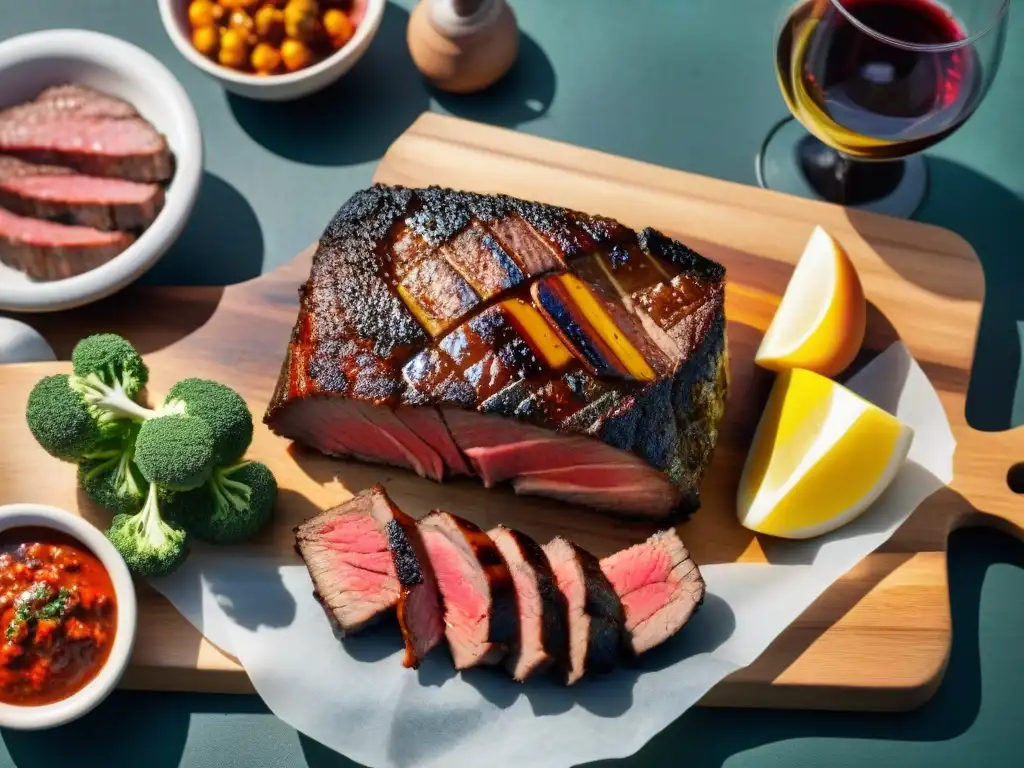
(523, 94)
(149, 324)
(356, 119)
(127, 729)
(352, 121)
(222, 243)
(712, 736)
(991, 218)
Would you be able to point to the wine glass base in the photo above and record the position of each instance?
(778, 168)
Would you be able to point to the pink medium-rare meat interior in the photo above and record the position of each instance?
(659, 585)
(108, 136)
(348, 560)
(464, 591)
(81, 189)
(38, 233)
(570, 467)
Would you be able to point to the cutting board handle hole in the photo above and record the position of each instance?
(1015, 478)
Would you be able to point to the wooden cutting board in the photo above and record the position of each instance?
(878, 639)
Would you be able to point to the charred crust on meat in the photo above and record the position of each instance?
(356, 337)
(602, 230)
(504, 623)
(674, 252)
(325, 365)
(618, 257)
(407, 565)
(555, 609)
(553, 223)
(607, 618)
(507, 400)
(441, 216)
(349, 270)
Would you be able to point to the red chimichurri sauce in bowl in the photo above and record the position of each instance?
(58, 616)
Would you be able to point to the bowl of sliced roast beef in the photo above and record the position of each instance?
(100, 167)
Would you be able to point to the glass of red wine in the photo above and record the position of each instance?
(872, 83)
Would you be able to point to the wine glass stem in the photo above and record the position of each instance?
(841, 179)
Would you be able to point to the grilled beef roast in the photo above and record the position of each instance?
(456, 333)
(480, 613)
(89, 131)
(659, 585)
(346, 552)
(419, 605)
(60, 194)
(596, 621)
(500, 592)
(46, 250)
(543, 613)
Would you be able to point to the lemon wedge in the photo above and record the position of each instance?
(820, 456)
(820, 322)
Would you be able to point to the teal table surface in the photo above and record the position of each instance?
(683, 83)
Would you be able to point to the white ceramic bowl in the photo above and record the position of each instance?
(28, 64)
(97, 689)
(290, 85)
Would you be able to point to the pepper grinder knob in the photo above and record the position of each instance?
(463, 46)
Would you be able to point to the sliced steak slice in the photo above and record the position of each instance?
(596, 620)
(419, 606)
(346, 552)
(85, 102)
(365, 432)
(476, 587)
(543, 613)
(89, 131)
(574, 468)
(428, 425)
(660, 587)
(45, 250)
(60, 194)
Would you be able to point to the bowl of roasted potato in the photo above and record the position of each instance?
(273, 50)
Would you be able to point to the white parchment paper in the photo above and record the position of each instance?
(358, 699)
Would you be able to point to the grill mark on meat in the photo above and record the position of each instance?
(659, 304)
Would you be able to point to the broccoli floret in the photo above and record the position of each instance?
(112, 480)
(63, 421)
(234, 505)
(113, 360)
(176, 452)
(71, 414)
(221, 408)
(149, 545)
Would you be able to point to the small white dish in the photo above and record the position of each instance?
(32, 62)
(283, 87)
(106, 680)
(20, 343)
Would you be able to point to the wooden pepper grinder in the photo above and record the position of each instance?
(463, 46)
